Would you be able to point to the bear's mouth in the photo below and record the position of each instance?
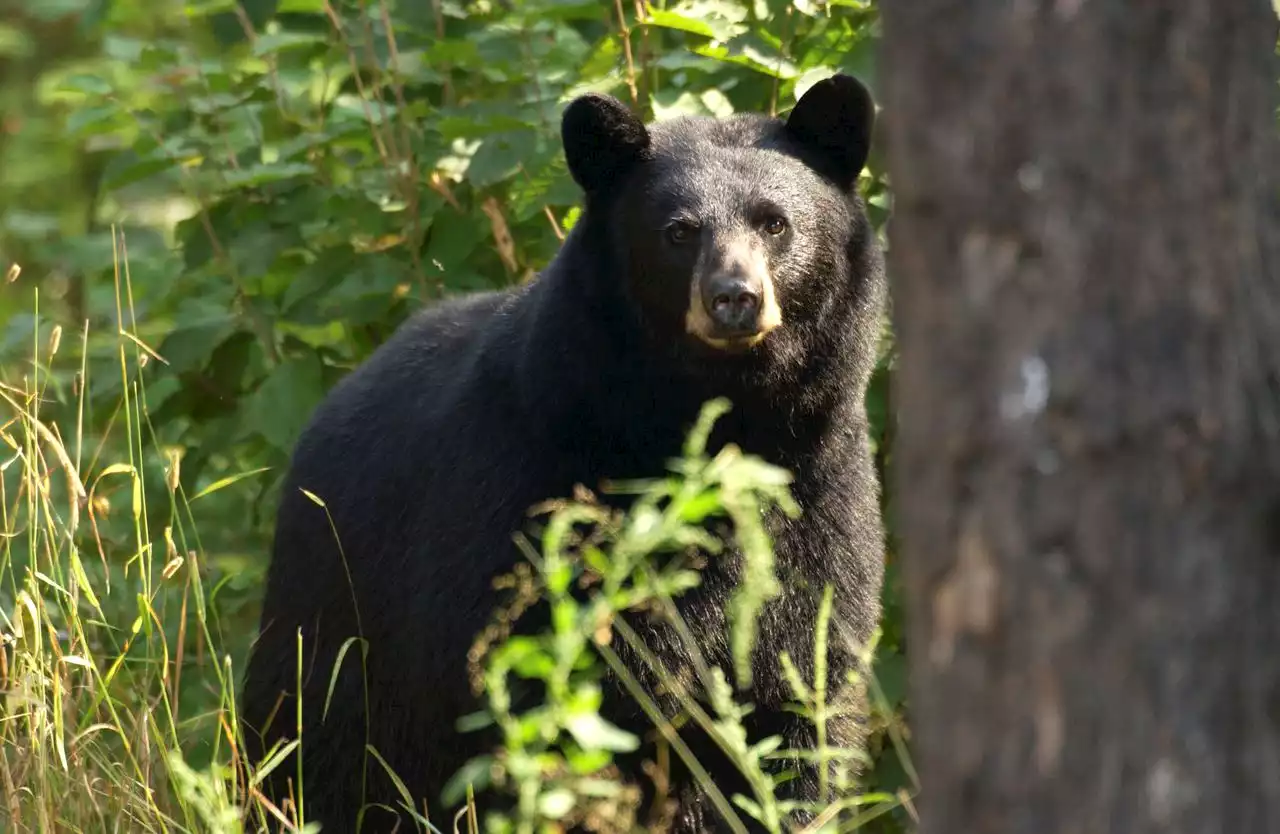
(735, 336)
(733, 344)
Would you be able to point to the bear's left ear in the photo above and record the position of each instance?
(602, 139)
(835, 117)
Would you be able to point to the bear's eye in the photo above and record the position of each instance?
(775, 225)
(680, 232)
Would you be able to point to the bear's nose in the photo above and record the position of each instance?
(733, 302)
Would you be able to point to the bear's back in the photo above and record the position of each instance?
(425, 464)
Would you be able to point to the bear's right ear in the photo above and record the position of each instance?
(602, 139)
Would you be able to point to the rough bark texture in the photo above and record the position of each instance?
(1087, 284)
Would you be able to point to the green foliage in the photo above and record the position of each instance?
(218, 210)
(554, 755)
(291, 190)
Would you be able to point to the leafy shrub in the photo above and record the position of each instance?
(555, 754)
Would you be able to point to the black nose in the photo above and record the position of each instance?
(733, 302)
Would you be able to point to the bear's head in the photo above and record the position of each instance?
(741, 242)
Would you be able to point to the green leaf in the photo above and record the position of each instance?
(88, 84)
(319, 276)
(671, 20)
(275, 42)
(668, 104)
(82, 580)
(717, 19)
(265, 173)
(547, 185)
(890, 673)
(475, 773)
(499, 157)
(280, 408)
(222, 483)
(14, 42)
(272, 761)
(593, 732)
(193, 340)
(751, 51)
(90, 121)
(554, 804)
(453, 237)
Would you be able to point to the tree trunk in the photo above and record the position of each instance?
(1086, 256)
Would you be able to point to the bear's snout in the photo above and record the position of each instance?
(734, 306)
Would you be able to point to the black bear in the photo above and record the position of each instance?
(714, 257)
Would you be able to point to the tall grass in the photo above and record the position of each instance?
(102, 612)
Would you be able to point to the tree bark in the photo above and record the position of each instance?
(1086, 266)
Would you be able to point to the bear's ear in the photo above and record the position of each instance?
(834, 117)
(602, 139)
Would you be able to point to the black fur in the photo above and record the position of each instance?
(602, 139)
(836, 115)
(429, 455)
